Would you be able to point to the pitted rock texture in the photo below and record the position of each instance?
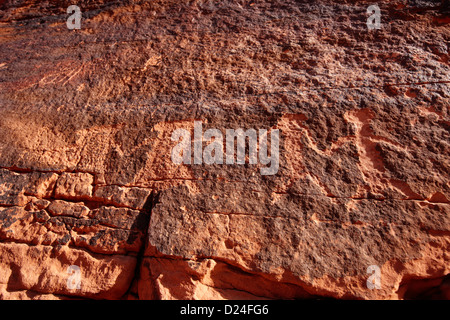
(87, 180)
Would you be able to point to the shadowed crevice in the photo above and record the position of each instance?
(143, 224)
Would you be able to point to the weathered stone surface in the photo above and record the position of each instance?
(43, 269)
(121, 218)
(209, 279)
(311, 237)
(74, 186)
(123, 196)
(64, 208)
(17, 187)
(38, 227)
(87, 180)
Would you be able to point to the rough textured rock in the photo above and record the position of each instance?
(87, 180)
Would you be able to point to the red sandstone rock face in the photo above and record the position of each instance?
(87, 180)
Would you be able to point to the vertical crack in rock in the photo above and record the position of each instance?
(144, 225)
